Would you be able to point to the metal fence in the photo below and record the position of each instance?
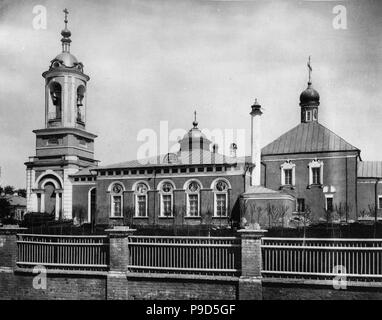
(63, 252)
(185, 255)
(297, 258)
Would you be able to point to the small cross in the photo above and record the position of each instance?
(310, 70)
(66, 15)
(195, 123)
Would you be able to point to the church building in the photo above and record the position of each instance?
(307, 168)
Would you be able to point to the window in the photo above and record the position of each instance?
(300, 205)
(380, 202)
(288, 176)
(316, 172)
(316, 175)
(288, 173)
(166, 194)
(116, 200)
(329, 203)
(308, 115)
(220, 189)
(193, 199)
(141, 200)
(194, 208)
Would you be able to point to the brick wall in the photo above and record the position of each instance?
(170, 289)
(16, 286)
(340, 171)
(283, 291)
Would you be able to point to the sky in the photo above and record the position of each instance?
(153, 61)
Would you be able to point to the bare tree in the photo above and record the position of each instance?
(128, 215)
(207, 218)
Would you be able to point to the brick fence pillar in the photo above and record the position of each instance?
(250, 286)
(8, 245)
(117, 287)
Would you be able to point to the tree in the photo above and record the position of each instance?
(207, 218)
(128, 215)
(272, 214)
(306, 217)
(22, 193)
(9, 189)
(79, 214)
(5, 208)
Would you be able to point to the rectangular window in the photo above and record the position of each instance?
(329, 204)
(117, 206)
(316, 175)
(194, 205)
(300, 205)
(141, 206)
(288, 176)
(221, 205)
(379, 202)
(167, 210)
(308, 115)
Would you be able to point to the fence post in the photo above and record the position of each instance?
(250, 286)
(117, 284)
(8, 245)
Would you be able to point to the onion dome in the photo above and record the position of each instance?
(309, 97)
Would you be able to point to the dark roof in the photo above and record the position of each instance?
(194, 157)
(306, 138)
(369, 169)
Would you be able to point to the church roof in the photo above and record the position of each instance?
(307, 138)
(194, 157)
(369, 169)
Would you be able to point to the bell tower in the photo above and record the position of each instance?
(63, 146)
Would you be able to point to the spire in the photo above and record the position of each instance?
(66, 34)
(310, 72)
(195, 123)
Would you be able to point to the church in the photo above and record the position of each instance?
(307, 168)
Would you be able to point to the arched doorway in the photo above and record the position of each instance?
(50, 195)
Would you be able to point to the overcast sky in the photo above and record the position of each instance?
(160, 60)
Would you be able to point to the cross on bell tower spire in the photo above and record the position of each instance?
(66, 34)
(195, 123)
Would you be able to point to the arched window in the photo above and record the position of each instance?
(220, 198)
(141, 200)
(166, 199)
(193, 199)
(80, 103)
(56, 96)
(116, 200)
